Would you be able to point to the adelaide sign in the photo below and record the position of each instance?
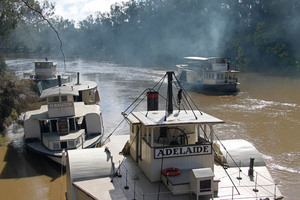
(192, 150)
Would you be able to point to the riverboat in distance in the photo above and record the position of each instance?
(72, 119)
(46, 75)
(170, 154)
(208, 74)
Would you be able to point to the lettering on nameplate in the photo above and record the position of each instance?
(169, 152)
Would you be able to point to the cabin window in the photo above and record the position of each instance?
(71, 144)
(53, 99)
(63, 145)
(45, 126)
(77, 141)
(55, 145)
(72, 124)
(205, 186)
(53, 126)
(64, 98)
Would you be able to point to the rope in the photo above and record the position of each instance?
(41, 14)
(226, 150)
(187, 95)
(124, 156)
(161, 169)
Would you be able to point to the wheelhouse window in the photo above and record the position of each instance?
(53, 99)
(64, 98)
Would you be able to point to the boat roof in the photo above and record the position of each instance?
(84, 85)
(203, 58)
(54, 63)
(59, 91)
(80, 110)
(183, 117)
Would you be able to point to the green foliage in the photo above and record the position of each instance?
(12, 117)
(3, 139)
(262, 34)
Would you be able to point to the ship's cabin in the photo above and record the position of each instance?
(182, 140)
(87, 92)
(61, 129)
(45, 70)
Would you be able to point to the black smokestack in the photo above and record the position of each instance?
(152, 100)
(77, 78)
(170, 92)
(59, 80)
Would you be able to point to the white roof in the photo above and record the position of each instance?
(80, 110)
(201, 58)
(59, 91)
(157, 118)
(85, 85)
(241, 150)
(203, 173)
(88, 163)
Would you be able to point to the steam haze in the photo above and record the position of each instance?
(263, 35)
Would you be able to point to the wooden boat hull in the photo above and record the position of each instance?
(56, 156)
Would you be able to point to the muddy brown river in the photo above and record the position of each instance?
(266, 112)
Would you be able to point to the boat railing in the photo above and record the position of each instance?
(130, 184)
(53, 141)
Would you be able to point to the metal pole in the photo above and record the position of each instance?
(239, 177)
(255, 189)
(134, 190)
(126, 186)
(275, 191)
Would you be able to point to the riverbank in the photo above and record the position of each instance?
(16, 96)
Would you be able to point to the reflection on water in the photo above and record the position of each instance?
(265, 112)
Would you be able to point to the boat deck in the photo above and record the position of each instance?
(38, 147)
(139, 187)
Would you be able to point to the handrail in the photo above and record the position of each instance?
(139, 194)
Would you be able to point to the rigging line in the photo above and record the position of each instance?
(135, 100)
(145, 91)
(162, 81)
(178, 87)
(60, 41)
(185, 93)
(226, 171)
(114, 130)
(161, 169)
(124, 118)
(223, 166)
(124, 156)
(166, 100)
(226, 150)
(204, 133)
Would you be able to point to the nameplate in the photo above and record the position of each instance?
(60, 105)
(169, 152)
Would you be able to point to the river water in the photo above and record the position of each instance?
(266, 112)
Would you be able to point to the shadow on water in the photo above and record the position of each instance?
(19, 163)
(211, 92)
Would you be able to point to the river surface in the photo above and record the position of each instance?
(266, 112)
